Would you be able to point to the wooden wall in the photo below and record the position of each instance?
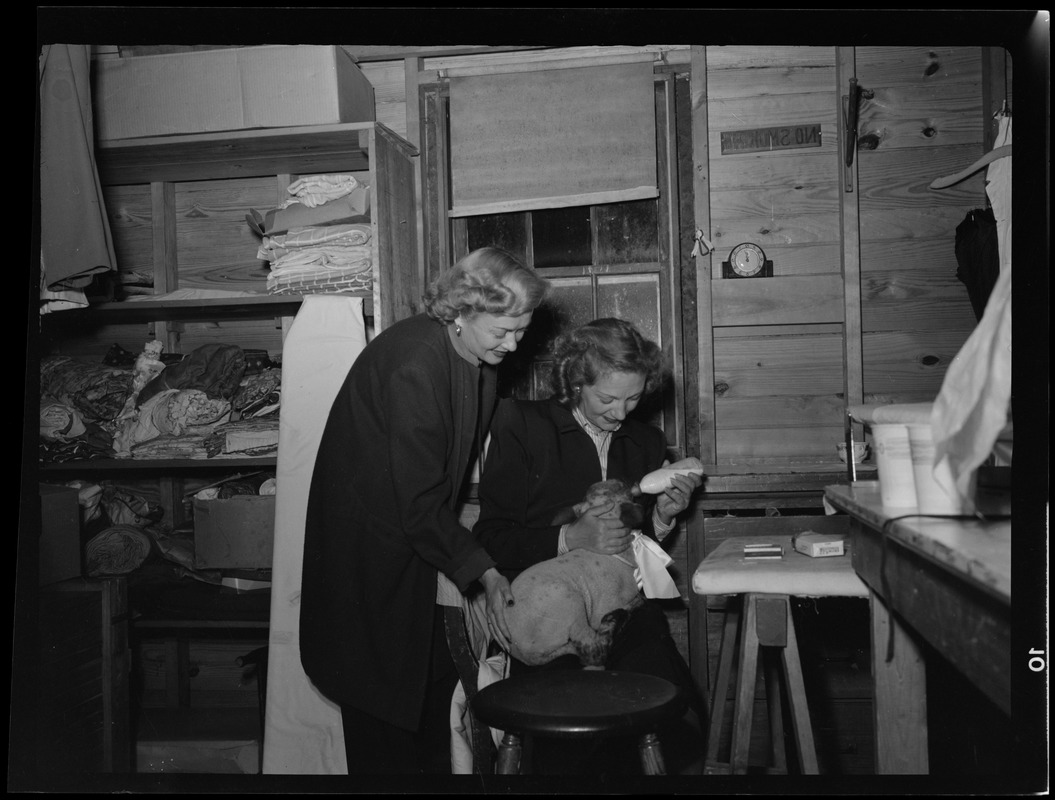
(925, 121)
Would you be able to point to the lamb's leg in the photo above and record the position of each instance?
(593, 648)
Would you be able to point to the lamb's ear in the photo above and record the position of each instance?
(631, 514)
(569, 514)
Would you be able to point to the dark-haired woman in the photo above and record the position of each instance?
(542, 458)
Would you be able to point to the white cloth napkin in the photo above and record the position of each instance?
(651, 573)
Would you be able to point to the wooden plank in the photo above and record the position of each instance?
(554, 57)
(900, 706)
(776, 201)
(701, 192)
(907, 255)
(917, 298)
(765, 366)
(932, 66)
(748, 78)
(899, 179)
(393, 173)
(685, 262)
(755, 111)
(392, 88)
(850, 239)
(703, 433)
(914, 223)
(777, 301)
(415, 115)
(774, 229)
(780, 411)
(786, 442)
(920, 116)
(234, 154)
(753, 57)
(670, 259)
(808, 168)
(901, 358)
(164, 251)
(793, 260)
(216, 247)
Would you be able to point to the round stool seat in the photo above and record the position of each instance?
(579, 703)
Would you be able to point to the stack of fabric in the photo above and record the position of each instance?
(334, 255)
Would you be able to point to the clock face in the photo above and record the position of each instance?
(747, 259)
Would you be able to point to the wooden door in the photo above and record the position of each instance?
(863, 303)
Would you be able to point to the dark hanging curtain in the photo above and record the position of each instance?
(978, 256)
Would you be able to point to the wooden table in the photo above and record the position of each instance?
(946, 582)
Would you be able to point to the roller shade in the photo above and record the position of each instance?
(552, 138)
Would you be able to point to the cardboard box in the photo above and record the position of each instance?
(236, 533)
(819, 545)
(274, 86)
(60, 534)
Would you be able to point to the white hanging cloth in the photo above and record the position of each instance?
(303, 734)
(973, 405)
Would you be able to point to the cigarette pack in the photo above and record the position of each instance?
(819, 545)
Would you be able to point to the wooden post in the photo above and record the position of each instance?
(900, 704)
(850, 256)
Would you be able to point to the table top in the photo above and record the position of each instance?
(727, 571)
(978, 551)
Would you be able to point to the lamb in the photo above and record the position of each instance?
(574, 603)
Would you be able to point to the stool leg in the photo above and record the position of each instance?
(721, 685)
(509, 754)
(651, 755)
(800, 713)
(776, 714)
(745, 687)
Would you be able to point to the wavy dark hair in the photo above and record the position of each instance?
(590, 352)
(487, 280)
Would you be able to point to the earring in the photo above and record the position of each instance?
(457, 329)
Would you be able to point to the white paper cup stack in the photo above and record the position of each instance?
(893, 452)
(935, 488)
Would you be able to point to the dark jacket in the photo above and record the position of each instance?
(539, 463)
(381, 518)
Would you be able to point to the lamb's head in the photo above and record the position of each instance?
(614, 491)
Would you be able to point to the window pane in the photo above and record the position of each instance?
(508, 231)
(627, 233)
(561, 237)
(634, 298)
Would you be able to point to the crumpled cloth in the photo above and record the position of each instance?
(651, 573)
(491, 669)
(117, 550)
(95, 390)
(189, 445)
(216, 369)
(974, 403)
(314, 190)
(59, 421)
(173, 412)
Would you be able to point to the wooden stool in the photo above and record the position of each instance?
(579, 703)
(763, 619)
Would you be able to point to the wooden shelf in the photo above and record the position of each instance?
(235, 154)
(206, 309)
(163, 464)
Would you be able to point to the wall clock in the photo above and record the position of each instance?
(747, 260)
